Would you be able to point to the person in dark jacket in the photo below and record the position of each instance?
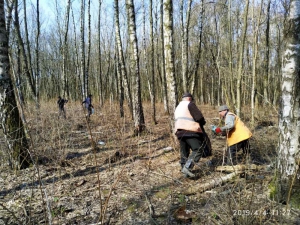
(189, 129)
(61, 107)
(88, 105)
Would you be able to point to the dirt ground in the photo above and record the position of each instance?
(126, 179)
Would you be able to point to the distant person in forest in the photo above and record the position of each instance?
(189, 129)
(88, 105)
(237, 134)
(61, 107)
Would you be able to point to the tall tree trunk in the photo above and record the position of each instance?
(77, 76)
(82, 49)
(120, 81)
(121, 58)
(184, 41)
(149, 68)
(240, 63)
(266, 61)
(289, 129)
(278, 65)
(198, 56)
(87, 71)
(138, 114)
(152, 86)
(163, 68)
(16, 71)
(27, 64)
(169, 60)
(37, 55)
(254, 59)
(230, 55)
(64, 79)
(101, 97)
(11, 124)
(215, 57)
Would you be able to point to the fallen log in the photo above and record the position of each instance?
(215, 182)
(82, 131)
(239, 168)
(210, 184)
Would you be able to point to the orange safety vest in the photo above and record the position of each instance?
(239, 133)
(184, 119)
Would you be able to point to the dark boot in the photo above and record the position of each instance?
(185, 170)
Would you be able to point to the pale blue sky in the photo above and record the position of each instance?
(48, 10)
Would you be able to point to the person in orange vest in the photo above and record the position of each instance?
(189, 129)
(237, 134)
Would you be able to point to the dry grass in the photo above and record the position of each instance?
(132, 179)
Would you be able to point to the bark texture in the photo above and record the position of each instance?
(11, 123)
(138, 114)
(289, 119)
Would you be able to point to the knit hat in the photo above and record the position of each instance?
(223, 107)
(187, 94)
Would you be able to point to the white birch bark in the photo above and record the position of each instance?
(64, 78)
(289, 119)
(87, 70)
(138, 114)
(82, 49)
(100, 85)
(169, 59)
(152, 85)
(184, 41)
(163, 68)
(37, 55)
(123, 71)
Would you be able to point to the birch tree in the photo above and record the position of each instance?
(241, 59)
(267, 57)
(87, 70)
(289, 118)
(101, 100)
(162, 65)
(149, 67)
(254, 59)
(64, 78)
(230, 54)
(196, 74)
(184, 41)
(169, 59)
(11, 123)
(120, 82)
(37, 55)
(27, 58)
(121, 58)
(82, 49)
(138, 114)
(152, 86)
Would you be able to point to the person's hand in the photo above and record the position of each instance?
(216, 129)
(213, 128)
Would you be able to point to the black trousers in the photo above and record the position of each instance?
(196, 144)
(61, 112)
(233, 149)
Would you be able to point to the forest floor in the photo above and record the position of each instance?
(128, 179)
